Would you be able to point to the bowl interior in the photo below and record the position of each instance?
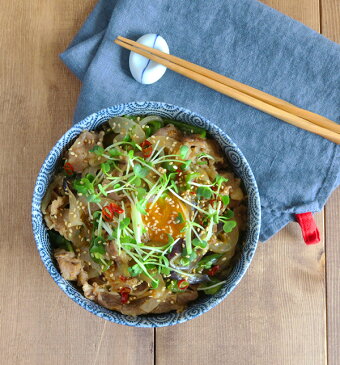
(241, 168)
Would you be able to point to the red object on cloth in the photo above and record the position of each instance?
(309, 229)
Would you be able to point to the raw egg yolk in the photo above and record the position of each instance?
(163, 218)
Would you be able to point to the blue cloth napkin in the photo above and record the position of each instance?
(296, 171)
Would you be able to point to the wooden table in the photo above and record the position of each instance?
(285, 311)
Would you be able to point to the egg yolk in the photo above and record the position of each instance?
(163, 218)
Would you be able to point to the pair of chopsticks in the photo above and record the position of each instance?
(246, 94)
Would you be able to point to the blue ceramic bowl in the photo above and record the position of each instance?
(241, 168)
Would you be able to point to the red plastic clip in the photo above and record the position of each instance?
(309, 229)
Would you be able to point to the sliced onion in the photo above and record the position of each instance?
(150, 118)
(149, 305)
(121, 124)
(198, 278)
(140, 292)
(227, 245)
(92, 273)
(125, 126)
(178, 267)
(159, 291)
(166, 142)
(118, 138)
(47, 198)
(192, 279)
(85, 256)
(74, 211)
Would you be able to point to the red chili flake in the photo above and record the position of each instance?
(213, 270)
(122, 278)
(125, 290)
(109, 210)
(124, 295)
(68, 169)
(107, 213)
(124, 298)
(116, 208)
(183, 284)
(146, 148)
(211, 201)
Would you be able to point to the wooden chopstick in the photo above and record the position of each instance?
(270, 99)
(241, 92)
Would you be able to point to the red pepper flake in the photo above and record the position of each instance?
(213, 270)
(182, 284)
(146, 148)
(124, 295)
(68, 169)
(122, 278)
(116, 208)
(125, 290)
(109, 210)
(107, 214)
(124, 298)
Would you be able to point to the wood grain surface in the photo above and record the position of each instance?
(330, 26)
(332, 234)
(285, 311)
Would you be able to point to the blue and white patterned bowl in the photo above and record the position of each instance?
(240, 166)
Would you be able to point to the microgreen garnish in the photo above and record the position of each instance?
(208, 261)
(199, 243)
(98, 252)
(93, 198)
(183, 151)
(98, 150)
(228, 214)
(179, 219)
(204, 192)
(135, 270)
(130, 179)
(228, 226)
(113, 152)
(105, 167)
(140, 171)
(225, 199)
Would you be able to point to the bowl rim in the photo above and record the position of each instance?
(40, 231)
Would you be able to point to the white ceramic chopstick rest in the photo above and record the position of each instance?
(144, 70)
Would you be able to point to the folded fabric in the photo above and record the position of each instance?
(296, 171)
